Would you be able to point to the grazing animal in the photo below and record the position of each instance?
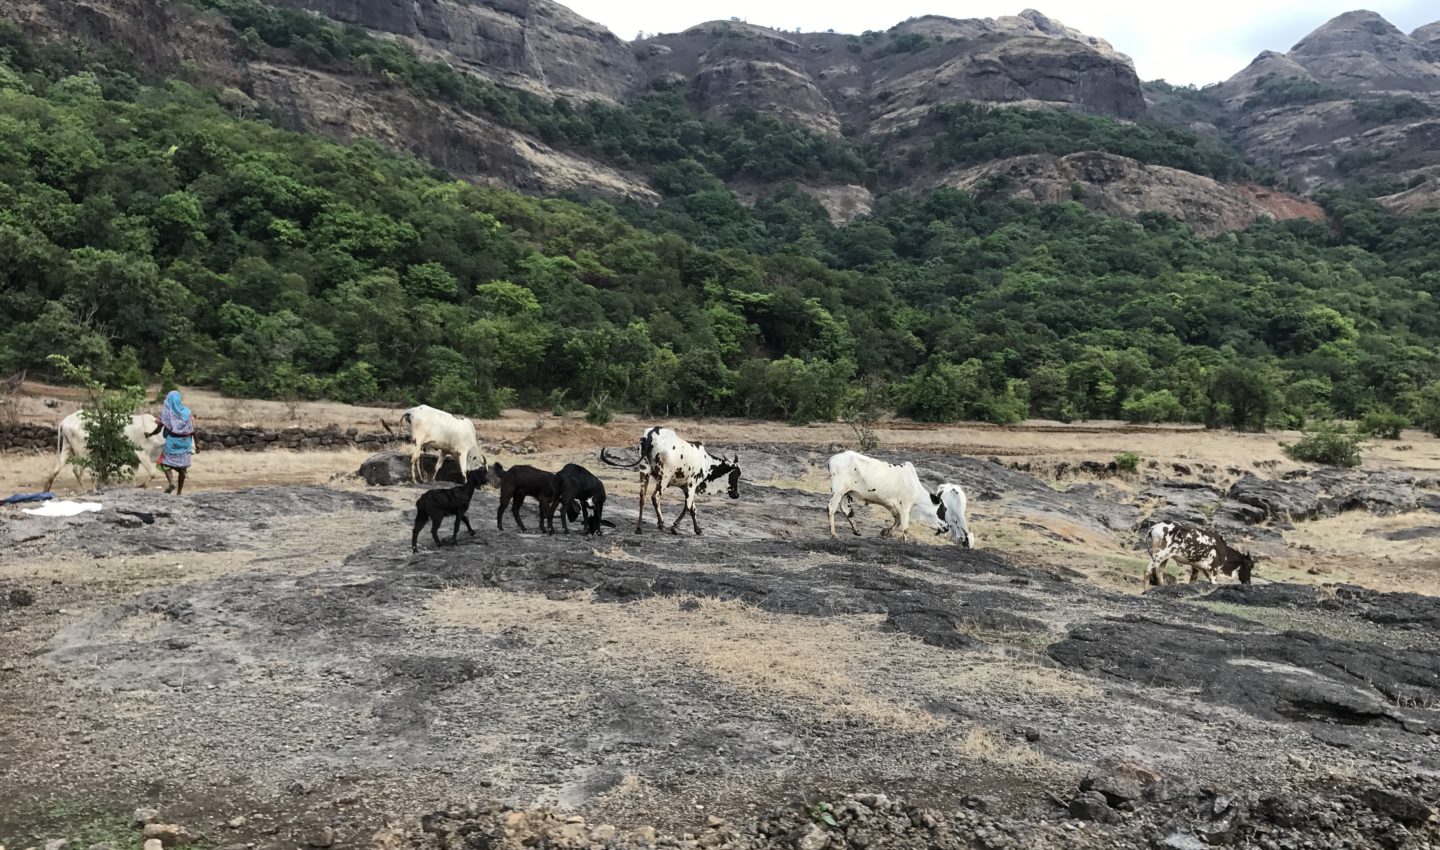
(895, 488)
(577, 492)
(668, 461)
(518, 483)
(71, 433)
(952, 510)
(434, 505)
(432, 428)
(1203, 551)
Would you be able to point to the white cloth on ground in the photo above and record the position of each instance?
(62, 507)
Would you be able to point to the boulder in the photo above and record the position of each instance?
(1091, 805)
(386, 469)
(1402, 807)
(1287, 500)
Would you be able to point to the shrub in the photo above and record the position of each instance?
(109, 454)
(1329, 444)
(1127, 462)
(1384, 423)
(167, 379)
(559, 402)
(1427, 408)
(599, 412)
(1159, 406)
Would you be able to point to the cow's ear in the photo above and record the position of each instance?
(935, 498)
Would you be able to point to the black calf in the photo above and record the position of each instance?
(519, 483)
(577, 485)
(434, 505)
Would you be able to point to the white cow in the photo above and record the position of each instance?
(432, 428)
(896, 488)
(952, 503)
(72, 444)
(668, 461)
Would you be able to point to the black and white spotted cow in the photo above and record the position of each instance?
(1203, 551)
(668, 461)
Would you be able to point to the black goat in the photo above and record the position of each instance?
(518, 483)
(574, 484)
(434, 505)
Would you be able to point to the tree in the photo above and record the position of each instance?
(109, 454)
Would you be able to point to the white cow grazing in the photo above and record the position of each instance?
(896, 488)
(432, 428)
(952, 500)
(72, 444)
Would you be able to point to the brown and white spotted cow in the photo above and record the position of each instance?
(1201, 550)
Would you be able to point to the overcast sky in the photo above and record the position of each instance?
(1183, 41)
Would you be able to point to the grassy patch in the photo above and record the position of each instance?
(83, 822)
(1334, 626)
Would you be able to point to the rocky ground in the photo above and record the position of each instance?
(273, 667)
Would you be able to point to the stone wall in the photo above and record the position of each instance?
(31, 438)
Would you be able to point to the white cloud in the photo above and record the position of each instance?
(1183, 42)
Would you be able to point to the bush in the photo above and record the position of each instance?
(1427, 408)
(559, 402)
(109, 454)
(1384, 423)
(167, 379)
(1159, 406)
(599, 413)
(1127, 462)
(1329, 444)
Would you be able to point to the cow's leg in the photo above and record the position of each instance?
(655, 501)
(694, 520)
(644, 485)
(902, 521)
(835, 501)
(686, 506)
(50, 482)
(415, 465)
(141, 456)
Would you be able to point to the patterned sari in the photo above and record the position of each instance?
(179, 432)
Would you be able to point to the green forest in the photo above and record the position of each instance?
(146, 226)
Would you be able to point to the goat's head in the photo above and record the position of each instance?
(476, 478)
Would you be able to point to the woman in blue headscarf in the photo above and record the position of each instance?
(179, 428)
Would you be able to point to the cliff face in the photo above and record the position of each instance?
(536, 45)
(879, 83)
(1356, 100)
(1121, 186)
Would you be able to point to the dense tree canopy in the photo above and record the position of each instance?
(145, 223)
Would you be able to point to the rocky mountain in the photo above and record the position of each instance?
(878, 83)
(1356, 101)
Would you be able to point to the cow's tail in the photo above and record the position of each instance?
(404, 419)
(606, 459)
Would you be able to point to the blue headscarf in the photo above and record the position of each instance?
(176, 416)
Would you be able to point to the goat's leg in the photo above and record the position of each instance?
(547, 514)
(1157, 563)
(515, 511)
(455, 532)
(500, 511)
(420, 520)
(465, 519)
(436, 518)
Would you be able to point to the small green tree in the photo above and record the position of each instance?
(168, 381)
(109, 454)
(1127, 462)
(1329, 444)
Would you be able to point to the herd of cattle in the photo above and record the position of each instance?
(666, 460)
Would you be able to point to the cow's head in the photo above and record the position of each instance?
(942, 527)
(723, 468)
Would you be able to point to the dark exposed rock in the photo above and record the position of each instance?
(1091, 805)
(390, 468)
(1404, 808)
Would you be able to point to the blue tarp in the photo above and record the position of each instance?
(28, 497)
